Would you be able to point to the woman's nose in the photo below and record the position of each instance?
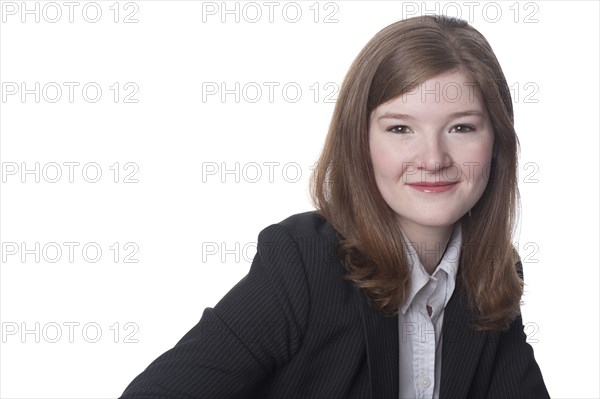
(434, 155)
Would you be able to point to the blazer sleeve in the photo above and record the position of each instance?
(516, 373)
(254, 329)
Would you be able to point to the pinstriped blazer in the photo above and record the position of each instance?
(294, 328)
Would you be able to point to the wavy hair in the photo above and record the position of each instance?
(345, 193)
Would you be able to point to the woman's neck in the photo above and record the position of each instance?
(429, 243)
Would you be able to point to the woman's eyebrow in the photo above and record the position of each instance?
(394, 115)
(473, 112)
(454, 115)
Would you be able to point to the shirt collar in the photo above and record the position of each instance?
(449, 264)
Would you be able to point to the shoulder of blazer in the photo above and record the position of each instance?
(311, 236)
(309, 224)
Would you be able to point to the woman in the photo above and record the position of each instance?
(404, 283)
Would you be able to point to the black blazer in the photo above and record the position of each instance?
(294, 328)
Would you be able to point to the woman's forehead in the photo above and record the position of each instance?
(448, 92)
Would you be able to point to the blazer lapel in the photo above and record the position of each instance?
(381, 339)
(461, 349)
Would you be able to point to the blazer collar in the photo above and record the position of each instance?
(461, 348)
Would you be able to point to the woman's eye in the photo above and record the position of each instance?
(462, 129)
(399, 129)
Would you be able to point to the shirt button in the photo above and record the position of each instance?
(424, 382)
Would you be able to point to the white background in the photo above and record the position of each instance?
(178, 219)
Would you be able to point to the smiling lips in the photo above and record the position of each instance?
(437, 187)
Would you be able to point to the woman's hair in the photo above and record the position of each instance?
(344, 191)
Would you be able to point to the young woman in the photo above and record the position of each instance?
(404, 283)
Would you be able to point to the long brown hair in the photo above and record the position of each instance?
(345, 193)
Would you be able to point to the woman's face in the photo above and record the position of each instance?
(431, 150)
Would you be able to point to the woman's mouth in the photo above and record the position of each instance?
(438, 187)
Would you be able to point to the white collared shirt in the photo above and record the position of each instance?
(420, 335)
